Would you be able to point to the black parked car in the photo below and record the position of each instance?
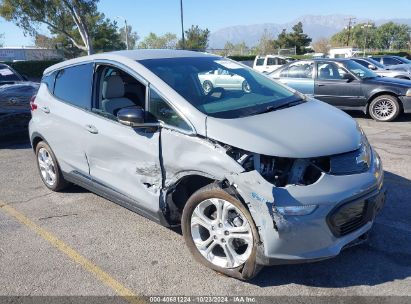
(15, 95)
(348, 86)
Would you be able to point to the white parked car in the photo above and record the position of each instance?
(268, 63)
(221, 78)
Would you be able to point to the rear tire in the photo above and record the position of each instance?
(48, 167)
(220, 233)
(384, 108)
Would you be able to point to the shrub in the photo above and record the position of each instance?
(32, 69)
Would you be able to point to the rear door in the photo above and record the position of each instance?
(330, 86)
(299, 76)
(63, 114)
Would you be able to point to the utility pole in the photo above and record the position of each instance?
(182, 24)
(125, 29)
(351, 22)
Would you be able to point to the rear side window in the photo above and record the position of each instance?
(73, 85)
(48, 80)
(391, 61)
(271, 61)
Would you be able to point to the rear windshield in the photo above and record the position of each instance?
(219, 87)
(6, 75)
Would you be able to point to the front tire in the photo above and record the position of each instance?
(49, 169)
(220, 232)
(384, 108)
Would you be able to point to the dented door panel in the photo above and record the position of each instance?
(183, 155)
(126, 160)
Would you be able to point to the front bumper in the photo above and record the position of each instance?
(299, 239)
(406, 103)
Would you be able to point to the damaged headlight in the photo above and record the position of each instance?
(281, 171)
(354, 162)
(297, 210)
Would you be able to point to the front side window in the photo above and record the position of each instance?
(242, 92)
(260, 62)
(358, 70)
(329, 71)
(162, 111)
(115, 90)
(73, 85)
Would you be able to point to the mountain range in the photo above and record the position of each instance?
(315, 26)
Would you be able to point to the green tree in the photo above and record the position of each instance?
(298, 39)
(387, 36)
(393, 36)
(152, 41)
(131, 36)
(62, 17)
(363, 34)
(195, 39)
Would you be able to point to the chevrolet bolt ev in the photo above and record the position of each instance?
(255, 177)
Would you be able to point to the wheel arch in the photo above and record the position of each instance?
(35, 139)
(381, 93)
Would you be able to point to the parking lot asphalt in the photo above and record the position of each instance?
(50, 242)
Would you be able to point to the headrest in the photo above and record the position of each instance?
(113, 87)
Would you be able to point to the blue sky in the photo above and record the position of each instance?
(162, 16)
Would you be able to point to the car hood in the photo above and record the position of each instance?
(397, 82)
(310, 129)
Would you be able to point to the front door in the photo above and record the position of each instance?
(124, 159)
(331, 87)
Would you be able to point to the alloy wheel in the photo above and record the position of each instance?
(384, 109)
(47, 167)
(221, 233)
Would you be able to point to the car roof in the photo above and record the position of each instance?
(134, 55)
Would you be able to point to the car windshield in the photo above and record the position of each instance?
(359, 70)
(7, 75)
(376, 63)
(220, 87)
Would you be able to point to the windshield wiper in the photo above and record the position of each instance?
(272, 108)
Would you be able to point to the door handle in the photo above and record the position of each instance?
(320, 85)
(92, 129)
(45, 110)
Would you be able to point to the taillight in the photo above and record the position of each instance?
(33, 106)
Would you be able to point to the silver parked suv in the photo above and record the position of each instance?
(255, 177)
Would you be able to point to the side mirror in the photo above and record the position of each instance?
(372, 67)
(135, 117)
(348, 77)
(131, 116)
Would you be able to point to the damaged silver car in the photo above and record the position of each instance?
(254, 177)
